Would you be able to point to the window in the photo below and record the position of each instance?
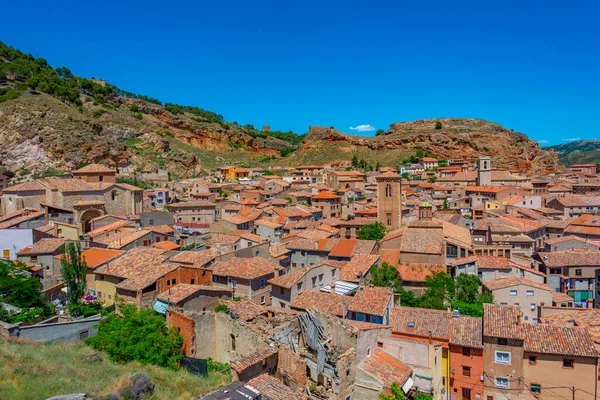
(466, 351)
(502, 357)
(568, 363)
(333, 273)
(368, 351)
(466, 371)
(532, 306)
(535, 388)
(299, 287)
(174, 281)
(303, 253)
(389, 218)
(262, 299)
(490, 397)
(501, 382)
(530, 293)
(578, 272)
(33, 259)
(516, 304)
(411, 324)
(263, 282)
(84, 334)
(216, 279)
(321, 278)
(513, 292)
(388, 190)
(532, 360)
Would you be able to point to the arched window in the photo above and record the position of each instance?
(113, 195)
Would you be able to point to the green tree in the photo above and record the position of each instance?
(74, 269)
(377, 166)
(446, 206)
(440, 289)
(442, 163)
(18, 287)
(467, 288)
(406, 176)
(138, 335)
(379, 132)
(409, 299)
(386, 276)
(374, 231)
(432, 179)
(397, 393)
(438, 125)
(134, 108)
(354, 161)
(420, 154)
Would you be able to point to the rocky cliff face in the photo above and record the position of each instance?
(39, 132)
(457, 138)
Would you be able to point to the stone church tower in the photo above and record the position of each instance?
(484, 171)
(389, 200)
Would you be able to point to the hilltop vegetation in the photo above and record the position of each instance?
(31, 371)
(578, 152)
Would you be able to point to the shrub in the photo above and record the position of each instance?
(134, 108)
(98, 113)
(138, 335)
(85, 309)
(221, 308)
(139, 116)
(438, 124)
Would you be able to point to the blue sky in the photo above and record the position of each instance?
(532, 67)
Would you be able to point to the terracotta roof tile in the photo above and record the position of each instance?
(246, 309)
(502, 321)
(245, 268)
(358, 267)
(179, 292)
(199, 258)
(130, 263)
(109, 227)
(146, 276)
(329, 303)
(386, 368)
(559, 340)
(274, 389)
(372, 300)
(467, 332)
(255, 358)
(45, 246)
(94, 168)
(418, 272)
(420, 321)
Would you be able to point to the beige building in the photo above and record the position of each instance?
(522, 293)
(193, 215)
(389, 200)
(91, 194)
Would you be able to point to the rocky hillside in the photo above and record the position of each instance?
(456, 138)
(579, 152)
(53, 122)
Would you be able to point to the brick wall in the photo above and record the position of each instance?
(187, 328)
(291, 368)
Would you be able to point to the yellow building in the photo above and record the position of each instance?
(235, 173)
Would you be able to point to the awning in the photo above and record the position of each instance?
(161, 307)
(408, 385)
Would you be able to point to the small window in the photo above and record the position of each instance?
(263, 282)
(513, 292)
(536, 388)
(568, 363)
(516, 304)
(262, 299)
(502, 357)
(501, 382)
(530, 293)
(84, 334)
(532, 360)
(532, 306)
(466, 351)
(411, 324)
(281, 290)
(466, 371)
(368, 351)
(192, 281)
(33, 259)
(578, 272)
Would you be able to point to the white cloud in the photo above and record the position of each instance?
(363, 128)
(543, 141)
(573, 139)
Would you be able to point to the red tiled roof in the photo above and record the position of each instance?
(386, 368)
(325, 195)
(329, 303)
(274, 389)
(420, 322)
(179, 292)
(245, 268)
(255, 358)
(559, 340)
(467, 332)
(502, 321)
(358, 267)
(372, 300)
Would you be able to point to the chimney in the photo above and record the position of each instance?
(332, 287)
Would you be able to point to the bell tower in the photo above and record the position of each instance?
(389, 200)
(484, 171)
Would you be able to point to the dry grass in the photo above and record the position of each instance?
(38, 371)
